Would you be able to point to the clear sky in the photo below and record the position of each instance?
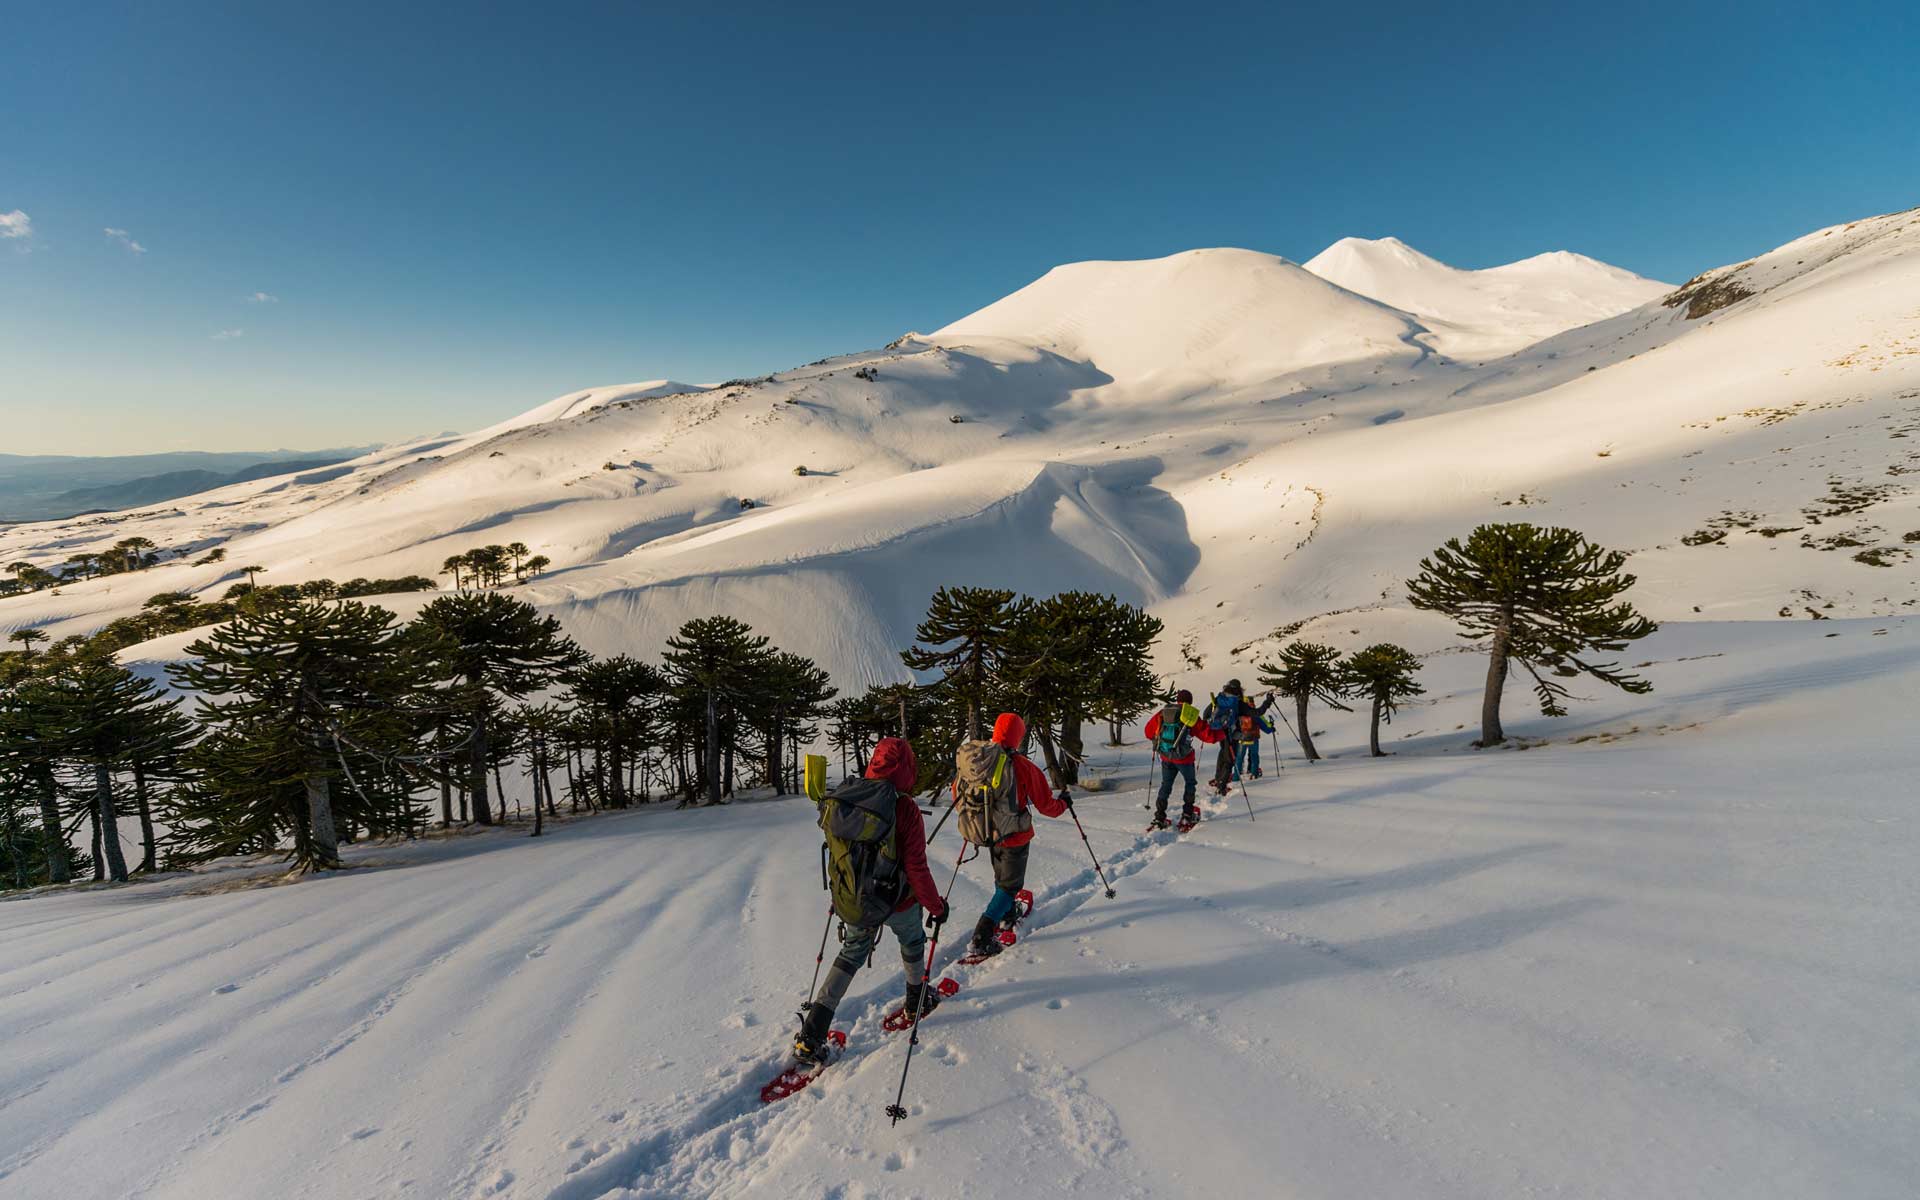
(250, 226)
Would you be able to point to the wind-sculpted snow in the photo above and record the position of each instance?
(1665, 954)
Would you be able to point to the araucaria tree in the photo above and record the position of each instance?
(710, 662)
(617, 698)
(494, 649)
(965, 638)
(291, 693)
(1544, 598)
(1307, 671)
(103, 718)
(1382, 674)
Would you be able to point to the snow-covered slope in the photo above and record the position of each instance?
(1669, 955)
(1667, 952)
(1220, 434)
(1486, 313)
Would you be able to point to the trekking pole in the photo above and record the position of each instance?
(822, 956)
(944, 815)
(1247, 798)
(897, 1110)
(1089, 846)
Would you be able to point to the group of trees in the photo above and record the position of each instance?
(314, 721)
(490, 566)
(1542, 599)
(127, 554)
(313, 718)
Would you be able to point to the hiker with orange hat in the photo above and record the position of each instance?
(995, 789)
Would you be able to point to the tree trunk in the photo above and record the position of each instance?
(59, 869)
(1046, 749)
(1306, 735)
(616, 774)
(482, 811)
(13, 844)
(99, 859)
(973, 717)
(1075, 748)
(712, 763)
(727, 775)
(1113, 732)
(446, 776)
(774, 777)
(147, 856)
(321, 835)
(500, 791)
(539, 773)
(1373, 732)
(109, 825)
(1490, 732)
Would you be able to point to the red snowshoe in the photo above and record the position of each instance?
(1187, 821)
(800, 1074)
(1005, 935)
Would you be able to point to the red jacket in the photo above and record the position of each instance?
(1031, 790)
(1202, 732)
(893, 761)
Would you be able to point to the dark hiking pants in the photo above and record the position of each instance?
(1168, 773)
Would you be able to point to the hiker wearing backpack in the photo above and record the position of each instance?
(1246, 754)
(1173, 730)
(1224, 715)
(995, 789)
(877, 870)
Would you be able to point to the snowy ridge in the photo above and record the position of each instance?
(1491, 312)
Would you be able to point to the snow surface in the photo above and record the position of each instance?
(1668, 954)
(1674, 959)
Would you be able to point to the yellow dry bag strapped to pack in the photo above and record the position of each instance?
(816, 778)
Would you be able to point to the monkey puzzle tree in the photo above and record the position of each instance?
(964, 637)
(494, 649)
(1544, 598)
(1382, 674)
(1307, 671)
(710, 663)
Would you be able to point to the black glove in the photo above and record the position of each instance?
(936, 919)
(1065, 799)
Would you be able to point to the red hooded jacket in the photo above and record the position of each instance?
(1031, 788)
(893, 761)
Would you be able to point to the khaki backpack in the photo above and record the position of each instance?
(988, 797)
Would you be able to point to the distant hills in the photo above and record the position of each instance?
(53, 486)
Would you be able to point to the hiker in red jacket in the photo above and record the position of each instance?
(995, 788)
(1173, 730)
(893, 762)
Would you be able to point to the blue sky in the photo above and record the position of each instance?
(458, 212)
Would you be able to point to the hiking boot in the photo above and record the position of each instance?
(810, 1046)
(985, 943)
(922, 997)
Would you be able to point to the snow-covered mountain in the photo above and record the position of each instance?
(1220, 434)
(1491, 312)
(1665, 952)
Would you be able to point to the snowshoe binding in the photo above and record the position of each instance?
(810, 1058)
(1188, 820)
(1157, 824)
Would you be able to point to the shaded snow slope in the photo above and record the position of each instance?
(1490, 312)
(1666, 955)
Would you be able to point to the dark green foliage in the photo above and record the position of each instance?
(491, 649)
(966, 637)
(1545, 598)
(1307, 671)
(293, 697)
(618, 702)
(1382, 675)
(712, 664)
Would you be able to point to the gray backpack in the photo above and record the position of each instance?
(864, 873)
(989, 810)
